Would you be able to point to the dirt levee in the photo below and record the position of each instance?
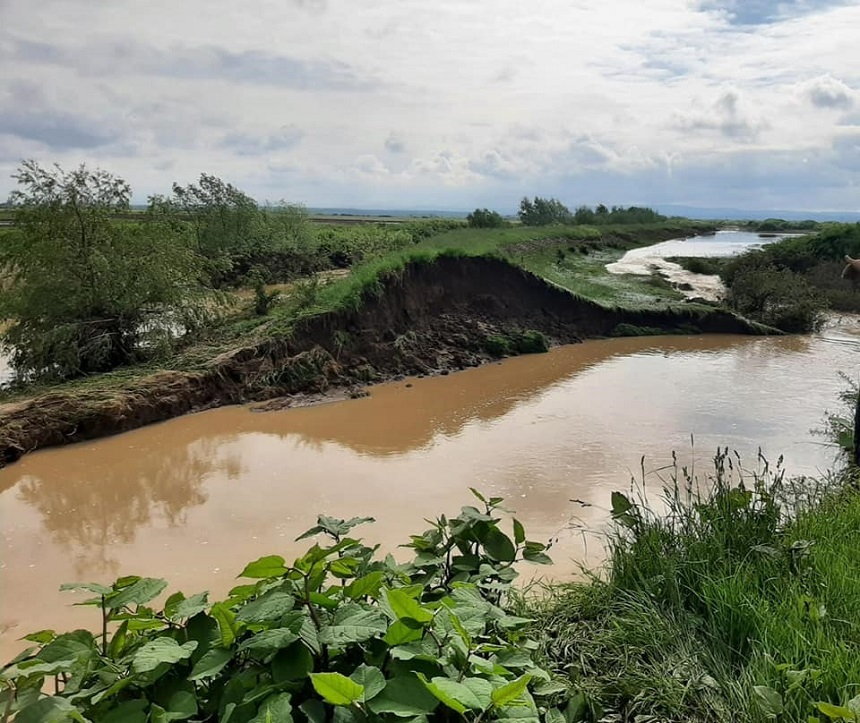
(429, 318)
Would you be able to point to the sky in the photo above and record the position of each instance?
(444, 104)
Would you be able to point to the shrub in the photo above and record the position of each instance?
(484, 218)
(341, 634)
(497, 345)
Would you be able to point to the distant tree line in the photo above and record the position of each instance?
(547, 211)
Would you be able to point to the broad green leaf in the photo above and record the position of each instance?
(267, 608)
(836, 712)
(171, 603)
(519, 532)
(181, 705)
(534, 552)
(49, 710)
(405, 697)
(211, 664)
(189, 607)
(355, 627)
(92, 587)
(269, 566)
(324, 601)
(365, 586)
(314, 710)
(343, 568)
(161, 650)
(499, 546)
(269, 641)
(507, 694)
(43, 637)
(275, 709)
(472, 693)
(406, 607)
(769, 700)
(132, 711)
(400, 633)
(369, 678)
(337, 689)
(226, 620)
(620, 504)
(551, 688)
(292, 663)
(138, 593)
(554, 715)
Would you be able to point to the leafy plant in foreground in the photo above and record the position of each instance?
(340, 635)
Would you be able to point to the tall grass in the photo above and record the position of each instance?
(733, 596)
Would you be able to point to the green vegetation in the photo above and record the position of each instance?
(341, 634)
(700, 264)
(793, 280)
(85, 295)
(516, 342)
(737, 601)
(484, 218)
(543, 212)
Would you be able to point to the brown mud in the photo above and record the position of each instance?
(432, 317)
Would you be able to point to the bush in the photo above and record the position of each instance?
(340, 634)
(776, 297)
(497, 345)
(484, 218)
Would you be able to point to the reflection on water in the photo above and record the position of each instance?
(195, 498)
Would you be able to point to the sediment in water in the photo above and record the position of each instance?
(431, 317)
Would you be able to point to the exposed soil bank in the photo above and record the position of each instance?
(431, 318)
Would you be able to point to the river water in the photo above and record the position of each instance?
(644, 260)
(195, 498)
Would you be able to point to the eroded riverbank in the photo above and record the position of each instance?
(195, 498)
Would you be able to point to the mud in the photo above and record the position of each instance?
(430, 318)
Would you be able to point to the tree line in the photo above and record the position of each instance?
(550, 211)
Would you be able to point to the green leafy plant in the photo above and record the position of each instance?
(340, 635)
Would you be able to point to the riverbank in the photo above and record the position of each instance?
(430, 316)
(735, 599)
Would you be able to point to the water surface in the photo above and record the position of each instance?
(195, 498)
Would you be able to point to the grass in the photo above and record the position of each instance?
(571, 257)
(734, 597)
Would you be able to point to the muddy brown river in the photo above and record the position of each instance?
(196, 498)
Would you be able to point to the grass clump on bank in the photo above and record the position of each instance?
(734, 598)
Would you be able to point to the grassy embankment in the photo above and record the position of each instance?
(572, 257)
(740, 604)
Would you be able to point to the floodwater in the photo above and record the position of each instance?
(644, 260)
(194, 499)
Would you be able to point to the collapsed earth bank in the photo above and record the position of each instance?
(430, 317)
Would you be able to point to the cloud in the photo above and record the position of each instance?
(727, 115)
(125, 56)
(394, 143)
(256, 144)
(829, 92)
(29, 115)
(701, 100)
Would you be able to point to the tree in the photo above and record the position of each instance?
(484, 218)
(544, 212)
(86, 293)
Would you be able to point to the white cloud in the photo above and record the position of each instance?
(403, 102)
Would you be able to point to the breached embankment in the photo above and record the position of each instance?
(430, 317)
